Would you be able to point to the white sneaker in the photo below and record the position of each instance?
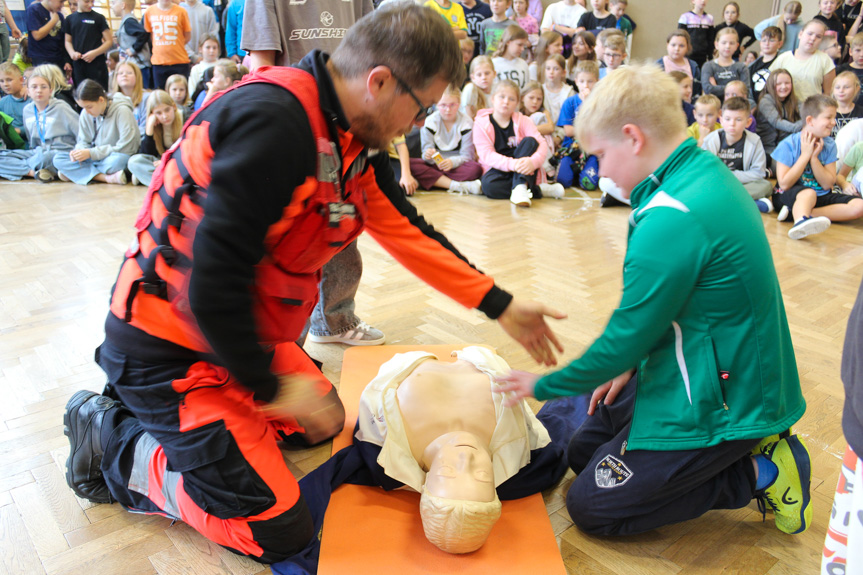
(457, 188)
(555, 191)
(765, 206)
(135, 180)
(473, 187)
(521, 196)
(783, 214)
(362, 334)
(808, 226)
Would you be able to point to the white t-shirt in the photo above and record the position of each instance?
(553, 101)
(516, 432)
(561, 13)
(808, 75)
(515, 70)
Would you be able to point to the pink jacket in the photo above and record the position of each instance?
(483, 140)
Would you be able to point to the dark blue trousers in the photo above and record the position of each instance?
(623, 492)
(498, 185)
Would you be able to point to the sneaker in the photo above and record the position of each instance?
(362, 334)
(473, 187)
(82, 424)
(765, 206)
(606, 200)
(555, 191)
(788, 495)
(135, 181)
(63, 177)
(456, 188)
(118, 178)
(45, 176)
(765, 443)
(783, 214)
(521, 196)
(808, 226)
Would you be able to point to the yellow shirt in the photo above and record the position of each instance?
(454, 14)
(692, 131)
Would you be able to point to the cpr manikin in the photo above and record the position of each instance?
(444, 432)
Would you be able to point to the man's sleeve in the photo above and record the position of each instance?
(666, 254)
(261, 16)
(397, 226)
(254, 172)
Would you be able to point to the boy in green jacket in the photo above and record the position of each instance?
(709, 375)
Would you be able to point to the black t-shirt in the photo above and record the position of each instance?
(759, 71)
(86, 30)
(843, 119)
(593, 24)
(849, 14)
(835, 27)
(745, 35)
(504, 139)
(731, 156)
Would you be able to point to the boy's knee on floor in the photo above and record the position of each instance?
(581, 503)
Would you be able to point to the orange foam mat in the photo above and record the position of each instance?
(370, 531)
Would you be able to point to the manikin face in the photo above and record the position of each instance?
(533, 101)
(482, 77)
(125, 77)
(677, 48)
(505, 102)
(164, 114)
(462, 469)
(734, 122)
(11, 83)
(448, 107)
(822, 125)
(553, 72)
(40, 90)
(94, 109)
(177, 91)
(784, 86)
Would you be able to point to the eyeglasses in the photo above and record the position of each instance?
(424, 111)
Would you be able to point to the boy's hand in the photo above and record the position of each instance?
(16, 33)
(88, 56)
(818, 147)
(850, 189)
(76, 56)
(54, 18)
(520, 384)
(807, 144)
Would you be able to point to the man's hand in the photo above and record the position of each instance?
(409, 183)
(525, 323)
(519, 383)
(298, 398)
(609, 390)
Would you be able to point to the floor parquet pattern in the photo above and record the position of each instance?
(60, 248)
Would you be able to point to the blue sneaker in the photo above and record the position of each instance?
(808, 226)
(765, 206)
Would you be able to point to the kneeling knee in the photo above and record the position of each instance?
(583, 508)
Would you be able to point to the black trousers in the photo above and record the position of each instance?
(498, 185)
(635, 491)
(96, 70)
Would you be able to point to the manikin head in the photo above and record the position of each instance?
(459, 503)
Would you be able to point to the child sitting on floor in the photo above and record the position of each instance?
(706, 112)
(16, 98)
(806, 173)
(533, 106)
(586, 76)
(846, 87)
(511, 151)
(737, 89)
(448, 151)
(164, 124)
(741, 151)
(107, 137)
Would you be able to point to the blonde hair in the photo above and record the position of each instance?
(727, 32)
(138, 91)
(586, 67)
(179, 79)
(452, 91)
(615, 42)
(11, 69)
(855, 81)
(506, 83)
(640, 94)
(513, 32)
(457, 525)
(483, 60)
(53, 75)
(709, 100)
(857, 40)
(230, 70)
(160, 136)
(546, 39)
(739, 83)
(604, 35)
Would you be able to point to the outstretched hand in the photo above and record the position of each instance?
(519, 384)
(524, 321)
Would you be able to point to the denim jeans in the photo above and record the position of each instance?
(141, 166)
(334, 313)
(15, 164)
(82, 172)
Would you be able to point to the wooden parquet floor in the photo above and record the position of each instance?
(60, 247)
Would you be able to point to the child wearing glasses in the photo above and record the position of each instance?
(448, 155)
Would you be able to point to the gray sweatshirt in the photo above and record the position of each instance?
(754, 158)
(115, 131)
(771, 127)
(52, 129)
(455, 144)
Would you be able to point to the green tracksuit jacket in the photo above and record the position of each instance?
(701, 316)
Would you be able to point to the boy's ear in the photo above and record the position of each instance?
(749, 121)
